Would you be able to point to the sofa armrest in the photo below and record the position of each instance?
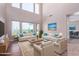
(37, 47)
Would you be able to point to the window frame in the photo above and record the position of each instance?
(28, 10)
(34, 10)
(12, 27)
(28, 25)
(16, 6)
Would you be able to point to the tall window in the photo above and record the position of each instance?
(27, 28)
(31, 7)
(36, 8)
(28, 7)
(15, 27)
(17, 5)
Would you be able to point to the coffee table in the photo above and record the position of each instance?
(32, 41)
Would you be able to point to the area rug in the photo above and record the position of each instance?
(26, 48)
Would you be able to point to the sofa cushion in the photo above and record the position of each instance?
(46, 43)
(26, 38)
(45, 34)
(57, 35)
(34, 33)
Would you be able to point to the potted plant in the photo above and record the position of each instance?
(40, 33)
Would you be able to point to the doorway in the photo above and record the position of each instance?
(73, 34)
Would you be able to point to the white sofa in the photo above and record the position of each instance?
(25, 38)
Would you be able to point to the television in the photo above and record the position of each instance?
(1, 28)
(72, 28)
(52, 26)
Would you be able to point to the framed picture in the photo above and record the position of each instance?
(72, 27)
(52, 26)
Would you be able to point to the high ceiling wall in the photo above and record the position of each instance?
(58, 12)
(21, 15)
(2, 10)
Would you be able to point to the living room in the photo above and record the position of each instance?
(34, 25)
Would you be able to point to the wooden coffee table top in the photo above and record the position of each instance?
(35, 40)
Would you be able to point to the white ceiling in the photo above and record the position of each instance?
(60, 8)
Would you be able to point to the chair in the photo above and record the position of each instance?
(4, 46)
(60, 46)
(45, 49)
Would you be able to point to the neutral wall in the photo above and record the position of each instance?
(21, 15)
(2, 10)
(59, 11)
